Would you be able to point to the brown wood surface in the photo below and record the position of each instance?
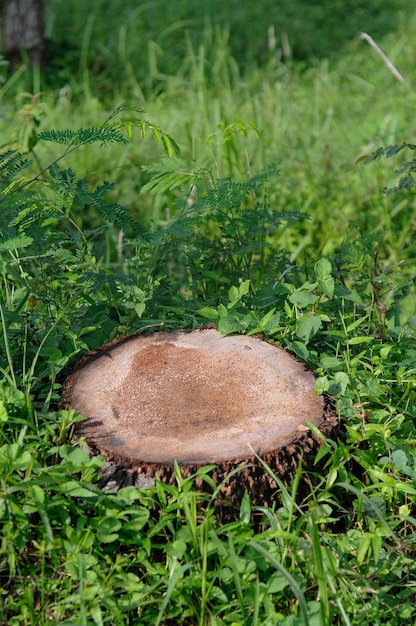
(194, 397)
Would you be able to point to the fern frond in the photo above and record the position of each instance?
(161, 137)
(406, 173)
(170, 146)
(64, 178)
(226, 231)
(230, 194)
(226, 133)
(111, 211)
(15, 243)
(65, 137)
(168, 174)
(109, 133)
(388, 152)
(11, 164)
(84, 136)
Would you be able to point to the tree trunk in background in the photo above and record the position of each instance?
(23, 31)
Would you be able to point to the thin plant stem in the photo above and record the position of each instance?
(386, 60)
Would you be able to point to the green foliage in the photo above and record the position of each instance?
(406, 173)
(308, 253)
(50, 273)
(158, 554)
(143, 44)
(217, 235)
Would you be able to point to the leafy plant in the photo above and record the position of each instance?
(209, 240)
(218, 236)
(45, 249)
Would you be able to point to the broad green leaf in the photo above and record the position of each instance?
(300, 350)
(77, 456)
(303, 298)
(334, 387)
(244, 288)
(78, 564)
(329, 362)
(3, 413)
(327, 285)
(12, 456)
(347, 294)
(269, 316)
(107, 529)
(86, 330)
(230, 324)
(222, 311)
(401, 461)
(324, 317)
(354, 341)
(233, 294)
(128, 494)
(277, 583)
(323, 269)
(140, 308)
(307, 326)
(322, 385)
(37, 493)
(74, 489)
(363, 547)
(245, 508)
(339, 384)
(356, 323)
(177, 548)
(139, 518)
(12, 396)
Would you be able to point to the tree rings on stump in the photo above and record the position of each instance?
(198, 398)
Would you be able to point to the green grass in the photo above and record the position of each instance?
(266, 220)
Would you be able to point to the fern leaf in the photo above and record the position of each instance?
(111, 211)
(65, 137)
(11, 164)
(167, 181)
(388, 152)
(84, 136)
(14, 243)
(161, 137)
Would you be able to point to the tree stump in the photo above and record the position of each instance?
(198, 398)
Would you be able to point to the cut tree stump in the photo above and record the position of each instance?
(198, 398)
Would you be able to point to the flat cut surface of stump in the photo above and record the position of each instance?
(195, 397)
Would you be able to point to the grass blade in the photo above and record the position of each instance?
(7, 345)
(292, 582)
(172, 584)
(236, 575)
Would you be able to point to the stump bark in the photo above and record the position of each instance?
(198, 398)
(23, 30)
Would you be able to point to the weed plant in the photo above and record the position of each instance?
(227, 234)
